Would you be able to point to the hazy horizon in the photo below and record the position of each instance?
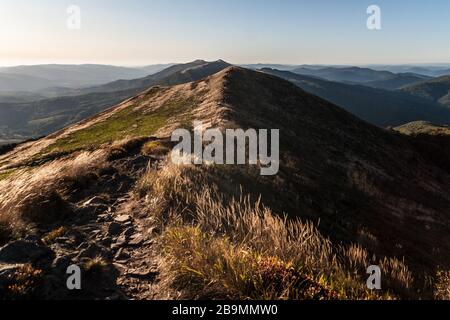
(434, 64)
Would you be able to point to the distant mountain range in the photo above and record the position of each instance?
(377, 79)
(427, 70)
(436, 90)
(41, 77)
(380, 107)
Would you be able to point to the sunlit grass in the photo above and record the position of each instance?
(129, 122)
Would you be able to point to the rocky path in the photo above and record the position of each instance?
(111, 232)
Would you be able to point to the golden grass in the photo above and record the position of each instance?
(95, 267)
(222, 247)
(51, 237)
(23, 284)
(442, 287)
(155, 148)
(36, 196)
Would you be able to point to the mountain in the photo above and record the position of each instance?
(436, 90)
(152, 69)
(380, 107)
(103, 193)
(355, 75)
(398, 81)
(346, 74)
(257, 66)
(71, 76)
(21, 82)
(176, 74)
(39, 118)
(426, 70)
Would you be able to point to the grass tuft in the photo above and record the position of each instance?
(24, 283)
(96, 266)
(51, 237)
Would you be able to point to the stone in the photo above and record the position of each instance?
(128, 232)
(61, 263)
(123, 218)
(22, 251)
(121, 255)
(94, 201)
(114, 229)
(136, 240)
(91, 252)
(122, 240)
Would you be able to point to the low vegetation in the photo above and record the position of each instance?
(51, 237)
(443, 285)
(6, 174)
(128, 122)
(95, 267)
(156, 148)
(227, 248)
(37, 197)
(23, 283)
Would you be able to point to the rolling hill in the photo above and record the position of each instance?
(398, 81)
(436, 90)
(104, 193)
(380, 107)
(70, 76)
(345, 74)
(355, 75)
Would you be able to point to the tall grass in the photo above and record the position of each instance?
(219, 246)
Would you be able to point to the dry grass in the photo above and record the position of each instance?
(219, 247)
(95, 267)
(204, 266)
(442, 287)
(36, 196)
(155, 148)
(51, 237)
(23, 284)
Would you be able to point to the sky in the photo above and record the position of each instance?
(142, 32)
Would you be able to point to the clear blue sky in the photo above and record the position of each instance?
(137, 32)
